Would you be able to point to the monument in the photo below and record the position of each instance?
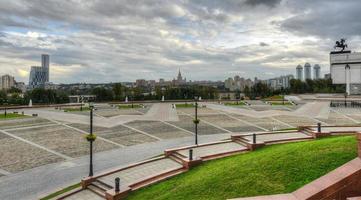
(31, 103)
(345, 67)
(126, 99)
(163, 98)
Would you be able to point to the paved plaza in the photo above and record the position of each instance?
(58, 137)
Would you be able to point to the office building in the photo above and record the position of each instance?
(299, 72)
(307, 70)
(237, 83)
(279, 82)
(6, 82)
(40, 75)
(316, 71)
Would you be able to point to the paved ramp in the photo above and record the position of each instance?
(311, 109)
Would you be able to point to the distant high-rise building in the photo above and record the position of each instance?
(316, 71)
(40, 75)
(6, 82)
(299, 72)
(279, 82)
(237, 83)
(179, 80)
(45, 64)
(307, 70)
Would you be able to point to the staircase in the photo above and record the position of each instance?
(99, 188)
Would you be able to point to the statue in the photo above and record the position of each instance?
(341, 44)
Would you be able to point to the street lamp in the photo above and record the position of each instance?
(132, 98)
(283, 96)
(5, 111)
(345, 99)
(196, 120)
(91, 138)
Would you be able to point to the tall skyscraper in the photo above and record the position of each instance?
(40, 75)
(299, 72)
(307, 69)
(45, 64)
(316, 71)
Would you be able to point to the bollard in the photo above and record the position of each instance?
(190, 154)
(254, 138)
(117, 180)
(319, 127)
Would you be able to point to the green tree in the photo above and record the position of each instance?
(118, 91)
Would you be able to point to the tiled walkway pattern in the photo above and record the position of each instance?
(213, 149)
(141, 172)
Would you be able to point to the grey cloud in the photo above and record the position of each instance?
(328, 19)
(270, 3)
(105, 39)
(263, 44)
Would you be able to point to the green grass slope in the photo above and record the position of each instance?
(274, 169)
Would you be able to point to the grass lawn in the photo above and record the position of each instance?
(275, 97)
(129, 106)
(76, 109)
(11, 116)
(185, 105)
(67, 189)
(280, 103)
(274, 169)
(240, 103)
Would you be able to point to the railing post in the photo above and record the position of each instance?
(190, 154)
(319, 127)
(117, 188)
(254, 138)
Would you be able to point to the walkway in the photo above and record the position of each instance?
(174, 162)
(159, 111)
(49, 178)
(311, 109)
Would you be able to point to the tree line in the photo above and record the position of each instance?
(262, 90)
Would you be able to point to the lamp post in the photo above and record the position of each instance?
(91, 138)
(132, 92)
(345, 99)
(196, 120)
(5, 111)
(283, 96)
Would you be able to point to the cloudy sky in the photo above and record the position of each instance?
(123, 40)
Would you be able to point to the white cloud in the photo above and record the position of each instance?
(124, 40)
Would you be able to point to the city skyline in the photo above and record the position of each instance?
(206, 40)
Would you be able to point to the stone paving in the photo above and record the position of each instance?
(186, 122)
(159, 129)
(23, 122)
(141, 172)
(277, 136)
(62, 139)
(200, 110)
(267, 122)
(296, 120)
(115, 112)
(337, 129)
(229, 123)
(118, 134)
(125, 136)
(84, 195)
(335, 118)
(17, 155)
(203, 151)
